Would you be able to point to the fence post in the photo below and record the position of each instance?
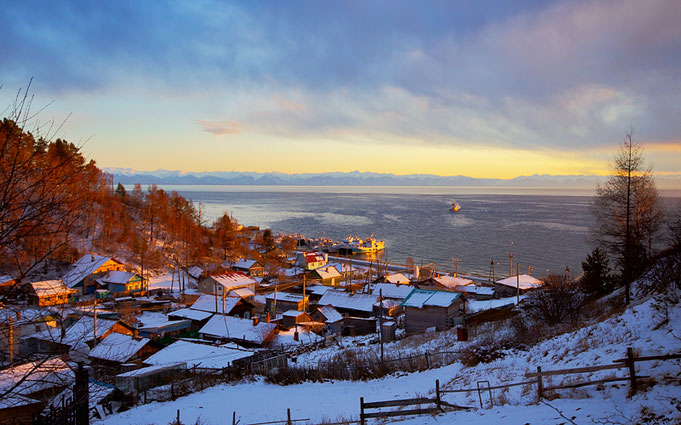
(288, 416)
(233, 417)
(178, 417)
(631, 362)
(427, 361)
(437, 394)
(540, 384)
(361, 411)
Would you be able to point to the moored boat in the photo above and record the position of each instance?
(455, 207)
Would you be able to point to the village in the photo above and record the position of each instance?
(135, 338)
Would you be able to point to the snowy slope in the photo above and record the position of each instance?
(649, 330)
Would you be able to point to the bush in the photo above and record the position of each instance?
(559, 301)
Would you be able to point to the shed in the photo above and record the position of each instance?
(201, 356)
(330, 316)
(233, 306)
(425, 308)
(223, 283)
(291, 317)
(360, 305)
(248, 333)
(280, 302)
(509, 287)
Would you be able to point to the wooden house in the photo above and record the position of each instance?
(347, 303)
(279, 302)
(121, 283)
(425, 309)
(247, 333)
(49, 292)
(84, 273)
(251, 268)
(328, 275)
(111, 353)
(510, 286)
(292, 317)
(330, 317)
(311, 260)
(228, 282)
(24, 322)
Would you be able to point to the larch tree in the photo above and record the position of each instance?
(627, 208)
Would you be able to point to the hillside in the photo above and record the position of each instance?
(650, 327)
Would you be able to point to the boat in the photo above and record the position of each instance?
(455, 207)
(354, 245)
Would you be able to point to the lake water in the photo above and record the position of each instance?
(549, 228)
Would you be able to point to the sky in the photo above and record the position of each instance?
(484, 89)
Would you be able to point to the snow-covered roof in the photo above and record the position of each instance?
(349, 301)
(328, 272)
(36, 376)
(16, 400)
(330, 313)
(285, 296)
(391, 290)
(208, 303)
(149, 370)
(525, 281)
(118, 347)
(235, 328)
(195, 272)
(420, 298)
(452, 282)
(188, 313)
(81, 331)
(245, 264)
(153, 319)
(293, 271)
(5, 278)
(241, 293)
(317, 289)
(25, 315)
(85, 266)
(117, 277)
(50, 288)
(233, 280)
(342, 267)
(475, 289)
(311, 257)
(397, 278)
(199, 355)
(293, 313)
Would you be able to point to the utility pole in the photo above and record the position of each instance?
(517, 283)
(95, 327)
(510, 258)
(380, 321)
(491, 271)
(304, 284)
(529, 270)
(11, 340)
(455, 263)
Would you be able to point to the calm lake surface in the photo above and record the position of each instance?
(549, 228)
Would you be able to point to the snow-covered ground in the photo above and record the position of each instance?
(169, 282)
(646, 327)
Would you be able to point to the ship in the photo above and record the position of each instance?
(354, 245)
(455, 207)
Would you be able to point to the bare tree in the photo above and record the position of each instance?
(628, 212)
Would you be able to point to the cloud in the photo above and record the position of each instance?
(219, 128)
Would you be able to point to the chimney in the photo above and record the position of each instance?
(92, 258)
(256, 320)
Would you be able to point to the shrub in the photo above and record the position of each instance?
(559, 301)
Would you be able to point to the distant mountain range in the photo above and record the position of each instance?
(354, 178)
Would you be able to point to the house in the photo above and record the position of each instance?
(279, 302)
(111, 353)
(16, 409)
(328, 275)
(426, 308)
(232, 306)
(509, 287)
(83, 273)
(292, 317)
(315, 292)
(444, 282)
(224, 283)
(247, 333)
(250, 267)
(197, 318)
(392, 291)
(356, 326)
(83, 331)
(361, 305)
(38, 380)
(49, 292)
(145, 378)
(122, 283)
(201, 356)
(195, 272)
(157, 325)
(394, 278)
(24, 322)
(311, 260)
(330, 316)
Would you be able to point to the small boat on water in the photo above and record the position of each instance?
(353, 245)
(455, 207)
